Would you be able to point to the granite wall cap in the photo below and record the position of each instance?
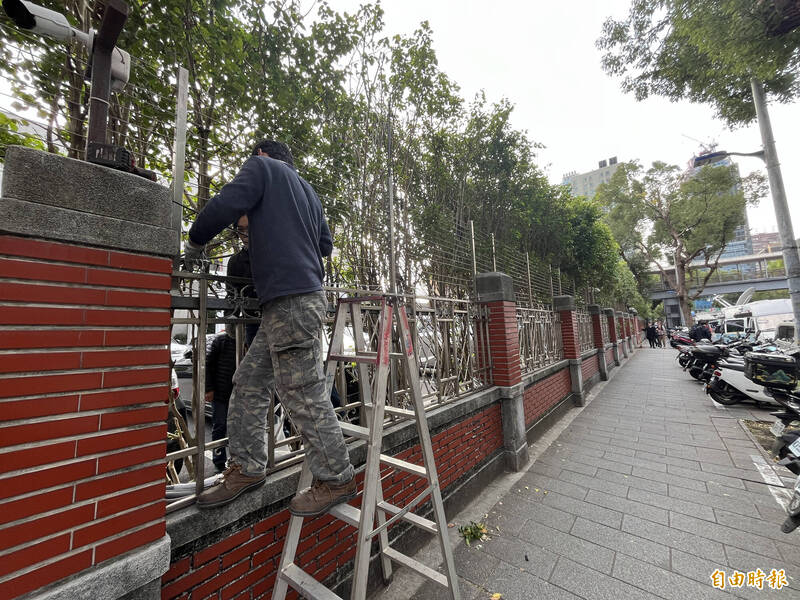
(609, 312)
(593, 309)
(561, 303)
(494, 286)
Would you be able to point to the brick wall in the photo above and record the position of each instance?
(244, 563)
(589, 367)
(543, 395)
(610, 358)
(504, 343)
(84, 337)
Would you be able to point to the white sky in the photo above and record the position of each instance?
(542, 57)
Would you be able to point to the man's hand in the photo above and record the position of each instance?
(210, 396)
(193, 256)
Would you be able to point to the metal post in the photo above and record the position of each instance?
(114, 16)
(559, 282)
(198, 406)
(530, 291)
(550, 269)
(474, 260)
(390, 185)
(791, 259)
(494, 258)
(179, 148)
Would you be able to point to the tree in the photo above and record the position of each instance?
(703, 51)
(679, 220)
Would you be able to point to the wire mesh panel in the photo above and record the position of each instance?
(585, 330)
(540, 343)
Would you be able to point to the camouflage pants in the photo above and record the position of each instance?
(286, 355)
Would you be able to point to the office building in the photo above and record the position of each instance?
(585, 184)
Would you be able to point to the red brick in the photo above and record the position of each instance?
(247, 549)
(264, 586)
(124, 358)
(33, 248)
(31, 555)
(122, 439)
(122, 481)
(127, 279)
(217, 582)
(44, 526)
(26, 269)
(50, 338)
(33, 457)
(40, 361)
(252, 578)
(48, 384)
(123, 544)
(40, 293)
(126, 418)
(267, 553)
(131, 458)
(34, 432)
(115, 525)
(124, 501)
(140, 262)
(137, 318)
(38, 407)
(25, 315)
(94, 401)
(43, 576)
(177, 569)
(32, 505)
(137, 337)
(271, 522)
(141, 299)
(221, 547)
(134, 377)
(184, 583)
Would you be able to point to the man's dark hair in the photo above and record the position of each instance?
(276, 150)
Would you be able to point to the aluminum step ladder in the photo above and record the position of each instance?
(373, 506)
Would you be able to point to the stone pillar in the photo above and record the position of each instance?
(623, 333)
(496, 291)
(566, 309)
(594, 311)
(612, 334)
(85, 272)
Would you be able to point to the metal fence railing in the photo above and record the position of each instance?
(540, 343)
(604, 329)
(585, 330)
(451, 361)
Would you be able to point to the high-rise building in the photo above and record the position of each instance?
(585, 184)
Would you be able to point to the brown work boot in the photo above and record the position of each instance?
(232, 484)
(321, 496)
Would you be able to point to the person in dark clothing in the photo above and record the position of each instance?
(220, 367)
(288, 239)
(239, 266)
(651, 334)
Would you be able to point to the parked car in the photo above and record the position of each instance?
(183, 363)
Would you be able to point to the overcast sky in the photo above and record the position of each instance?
(542, 57)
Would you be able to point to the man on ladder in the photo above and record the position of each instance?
(288, 239)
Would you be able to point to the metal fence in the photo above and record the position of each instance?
(540, 343)
(585, 330)
(604, 328)
(451, 364)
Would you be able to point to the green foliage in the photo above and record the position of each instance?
(10, 134)
(703, 51)
(474, 532)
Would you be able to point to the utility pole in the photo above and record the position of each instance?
(390, 184)
(791, 258)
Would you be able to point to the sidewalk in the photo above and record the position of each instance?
(644, 493)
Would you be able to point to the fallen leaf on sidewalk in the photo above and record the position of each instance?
(451, 525)
(496, 596)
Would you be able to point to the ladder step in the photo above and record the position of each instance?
(347, 513)
(402, 413)
(356, 431)
(414, 565)
(404, 465)
(410, 517)
(370, 360)
(305, 584)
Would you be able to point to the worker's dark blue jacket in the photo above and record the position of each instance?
(288, 232)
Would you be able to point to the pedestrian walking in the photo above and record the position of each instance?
(650, 334)
(661, 333)
(288, 239)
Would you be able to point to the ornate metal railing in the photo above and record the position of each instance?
(604, 328)
(585, 330)
(446, 334)
(540, 341)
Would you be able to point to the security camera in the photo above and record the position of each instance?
(37, 19)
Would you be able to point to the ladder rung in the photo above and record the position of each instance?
(306, 584)
(404, 465)
(347, 513)
(403, 413)
(356, 431)
(370, 360)
(410, 517)
(409, 562)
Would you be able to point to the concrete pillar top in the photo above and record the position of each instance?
(561, 303)
(593, 309)
(494, 286)
(609, 312)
